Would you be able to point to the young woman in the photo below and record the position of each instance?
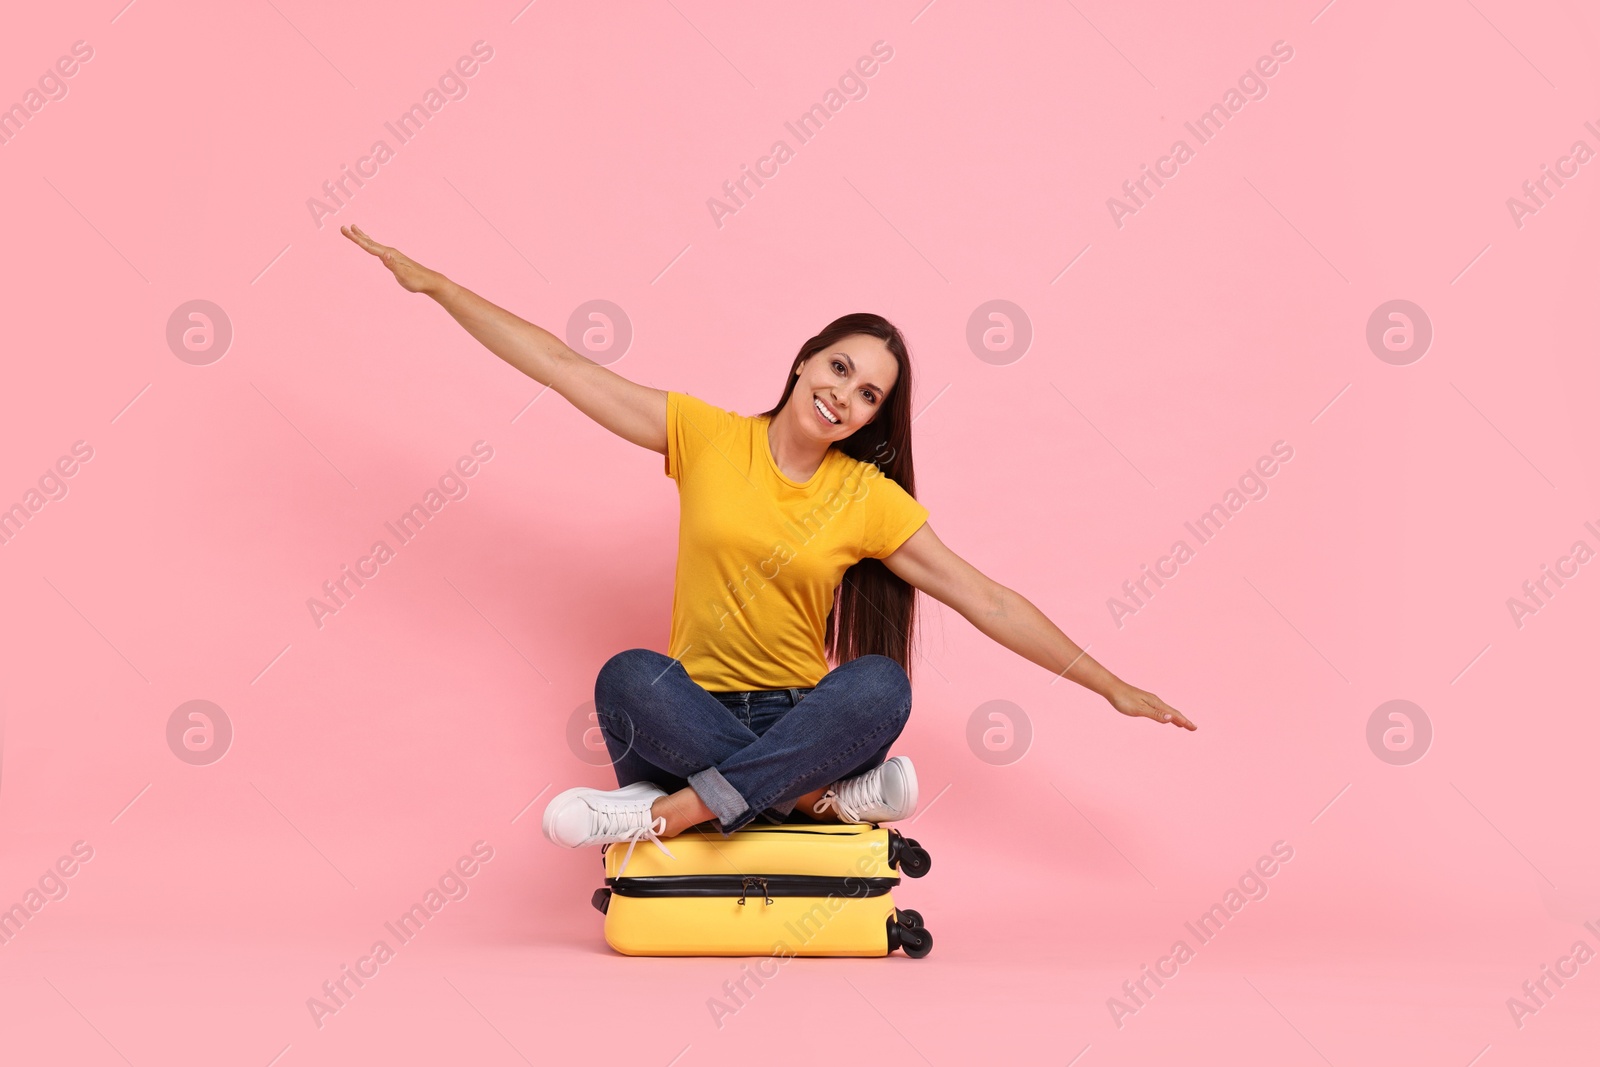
(799, 540)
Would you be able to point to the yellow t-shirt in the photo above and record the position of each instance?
(761, 555)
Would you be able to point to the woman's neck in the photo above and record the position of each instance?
(792, 451)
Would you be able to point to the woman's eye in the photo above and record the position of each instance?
(837, 365)
(868, 394)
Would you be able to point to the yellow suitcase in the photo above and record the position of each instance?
(788, 889)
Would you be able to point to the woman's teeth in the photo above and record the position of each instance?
(824, 411)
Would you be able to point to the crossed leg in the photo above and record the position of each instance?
(661, 726)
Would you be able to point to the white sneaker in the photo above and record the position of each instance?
(884, 794)
(584, 816)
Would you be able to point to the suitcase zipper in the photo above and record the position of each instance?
(727, 885)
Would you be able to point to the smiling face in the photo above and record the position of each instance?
(842, 388)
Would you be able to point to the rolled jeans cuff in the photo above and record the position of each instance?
(725, 802)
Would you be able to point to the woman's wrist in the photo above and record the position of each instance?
(1093, 676)
(438, 286)
(1106, 684)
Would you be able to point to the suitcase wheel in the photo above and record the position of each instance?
(907, 855)
(915, 861)
(914, 940)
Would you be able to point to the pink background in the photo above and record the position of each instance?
(432, 711)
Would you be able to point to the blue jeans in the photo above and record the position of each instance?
(747, 753)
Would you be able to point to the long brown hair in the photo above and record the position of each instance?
(873, 607)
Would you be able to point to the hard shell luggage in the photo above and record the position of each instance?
(789, 889)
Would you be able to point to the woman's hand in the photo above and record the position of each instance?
(1134, 701)
(412, 276)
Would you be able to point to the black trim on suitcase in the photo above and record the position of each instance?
(727, 885)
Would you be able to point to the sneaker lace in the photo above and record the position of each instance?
(848, 797)
(626, 826)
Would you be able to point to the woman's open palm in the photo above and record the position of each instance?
(412, 276)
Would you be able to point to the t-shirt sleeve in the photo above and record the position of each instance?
(692, 427)
(893, 515)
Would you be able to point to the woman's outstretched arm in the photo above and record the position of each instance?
(1009, 618)
(634, 412)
